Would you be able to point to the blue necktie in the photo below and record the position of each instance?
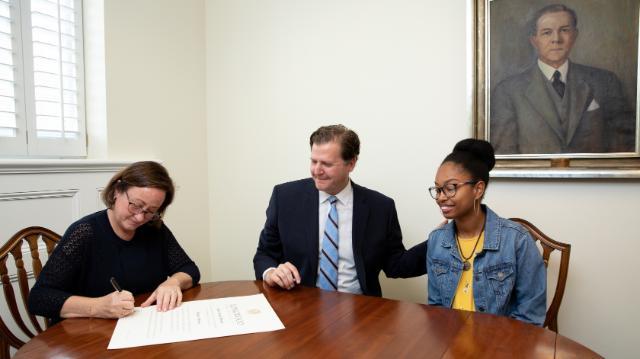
(328, 276)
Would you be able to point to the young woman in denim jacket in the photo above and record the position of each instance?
(480, 261)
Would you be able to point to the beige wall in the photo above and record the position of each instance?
(279, 69)
(395, 71)
(155, 104)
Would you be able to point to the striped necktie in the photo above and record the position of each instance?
(328, 277)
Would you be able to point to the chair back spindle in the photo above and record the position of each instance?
(548, 246)
(13, 249)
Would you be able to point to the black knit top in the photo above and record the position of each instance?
(90, 253)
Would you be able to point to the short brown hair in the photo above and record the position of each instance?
(348, 140)
(533, 22)
(140, 174)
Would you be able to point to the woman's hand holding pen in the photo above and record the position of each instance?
(114, 305)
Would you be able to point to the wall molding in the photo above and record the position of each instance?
(8, 166)
(17, 196)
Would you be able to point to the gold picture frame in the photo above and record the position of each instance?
(547, 165)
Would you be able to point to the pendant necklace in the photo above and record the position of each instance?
(466, 265)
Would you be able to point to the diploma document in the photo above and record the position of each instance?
(198, 319)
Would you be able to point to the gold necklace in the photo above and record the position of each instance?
(466, 265)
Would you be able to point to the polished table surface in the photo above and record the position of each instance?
(326, 324)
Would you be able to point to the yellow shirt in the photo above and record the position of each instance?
(464, 293)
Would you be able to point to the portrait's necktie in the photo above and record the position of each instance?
(328, 279)
(557, 84)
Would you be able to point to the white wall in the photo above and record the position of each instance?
(155, 74)
(396, 72)
(599, 219)
(247, 82)
(279, 69)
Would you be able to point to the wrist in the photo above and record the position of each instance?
(266, 275)
(92, 310)
(173, 281)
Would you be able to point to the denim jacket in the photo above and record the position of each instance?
(509, 277)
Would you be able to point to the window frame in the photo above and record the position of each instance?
(27, 144)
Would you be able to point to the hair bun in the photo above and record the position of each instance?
(480, 149)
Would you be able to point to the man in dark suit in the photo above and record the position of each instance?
(309, 219)
(558, 106)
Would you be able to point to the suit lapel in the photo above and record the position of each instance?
(579, 97)
(311, 213)
(538, 96)
(358, 229)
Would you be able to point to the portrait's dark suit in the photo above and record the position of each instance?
(290, 234)
(526, 119)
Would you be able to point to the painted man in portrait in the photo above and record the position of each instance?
(556, 105)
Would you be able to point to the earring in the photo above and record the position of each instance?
(475, 206)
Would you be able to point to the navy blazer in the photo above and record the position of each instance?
(290, 234)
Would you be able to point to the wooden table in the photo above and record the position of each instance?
(325, 324)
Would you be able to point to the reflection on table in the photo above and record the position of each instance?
(326, 324)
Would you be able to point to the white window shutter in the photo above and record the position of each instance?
(49, 85)
(13, 129)
(57, 124)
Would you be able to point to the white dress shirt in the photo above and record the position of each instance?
(549, 70)
(347, 275)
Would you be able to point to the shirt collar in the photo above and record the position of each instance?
(549, 70)
(345, 196)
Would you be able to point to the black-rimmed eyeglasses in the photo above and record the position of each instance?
(136, 209)
(448, 189)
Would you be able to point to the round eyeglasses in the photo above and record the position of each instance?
(448, 189)
(136, 209)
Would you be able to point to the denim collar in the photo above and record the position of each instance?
(491, 231)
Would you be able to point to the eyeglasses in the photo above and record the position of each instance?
(448, 189)
(136, 209)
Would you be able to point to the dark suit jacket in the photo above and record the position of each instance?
(524, 118)
(290, 234)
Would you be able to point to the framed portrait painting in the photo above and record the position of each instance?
(556, 87)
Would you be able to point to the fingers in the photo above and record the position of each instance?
(174, 301)
(127, 305)
(179, 299)
(123, 312)
(116, 305)
(160, 301)
(167, 297)
(125, 296)
(296, 274)
(268, 279)
(166, 301)
(151, 299)
(285, 276)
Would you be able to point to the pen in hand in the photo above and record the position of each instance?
(115, 284)
(119, 304)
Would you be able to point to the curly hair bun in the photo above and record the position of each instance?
(480, 149)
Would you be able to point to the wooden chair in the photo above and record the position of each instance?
(548, 246)
(31, 236)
